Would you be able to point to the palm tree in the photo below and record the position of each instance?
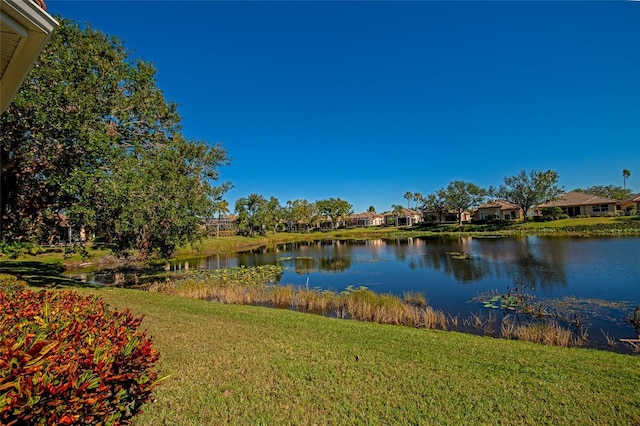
(625, 174)
(397, 211)
(418, 198)
(408, 196)
(221, 207)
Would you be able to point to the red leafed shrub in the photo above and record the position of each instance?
(67, 359)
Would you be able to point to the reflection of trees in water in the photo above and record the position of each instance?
(453, 257)
(326, 255)
(404, 247)
(304, 265)
(334, 263)
(535, 262)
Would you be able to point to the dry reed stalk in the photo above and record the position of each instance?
(412, 316)
(611, 341)
(415, 299)
(433, 319)
(454, 321)
(547, 333)
(474, 320)
(489, 325)
(281, 296)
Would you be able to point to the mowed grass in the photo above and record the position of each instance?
(584, 221)
(250, 365)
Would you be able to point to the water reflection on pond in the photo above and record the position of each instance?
(450, 272)
(606, 268)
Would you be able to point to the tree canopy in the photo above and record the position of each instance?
(300, 213)
(530, 189)
(90, 142)
(335, 209)
(460, 196)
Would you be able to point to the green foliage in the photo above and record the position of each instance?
(608, 191)
(13, 249)
(251, 214)
(300, 214)
(239, 276)
(335, 209)
(552, 213)
(67, 359)
(530, 189)
(90, 143)
(459, 196)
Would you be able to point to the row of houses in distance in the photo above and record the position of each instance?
(573, 204)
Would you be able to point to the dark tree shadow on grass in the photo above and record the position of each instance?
(41, 274)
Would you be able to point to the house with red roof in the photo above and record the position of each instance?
(402, 217)
(498, 210)
(577, 203)
(631, 203)
(365, 219)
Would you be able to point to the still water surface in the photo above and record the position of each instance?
(451, 271)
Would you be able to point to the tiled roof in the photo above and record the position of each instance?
(501, 204)
(403, 213)
(575, 198)
(366, 215)
(633, 199)
(41, 4)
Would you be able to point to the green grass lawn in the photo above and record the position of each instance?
(251, 365)
(586, 221)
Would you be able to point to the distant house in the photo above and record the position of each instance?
(403, 217)
(26, 27)
(500, 210)
(224, 224)
(365, 219)
(450, 216)
(631, 203)
(576, 203)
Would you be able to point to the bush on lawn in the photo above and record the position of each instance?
(67, 359)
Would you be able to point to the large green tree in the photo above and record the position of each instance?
(461, 196)
(250, 213)
(335, 209)
(272, 214)
(433, 208)
(530, 189)
(90, 140)
(300, 214)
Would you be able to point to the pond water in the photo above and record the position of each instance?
(599, 276)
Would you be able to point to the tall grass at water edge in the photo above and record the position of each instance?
(251, 286)
(359, 304)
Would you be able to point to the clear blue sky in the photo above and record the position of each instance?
(367, 100)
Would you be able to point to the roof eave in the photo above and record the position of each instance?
(33, 26)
